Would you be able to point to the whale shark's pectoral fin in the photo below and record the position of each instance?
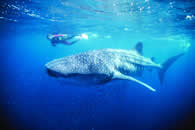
(119, 75)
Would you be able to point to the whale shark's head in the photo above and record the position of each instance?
(56, 68)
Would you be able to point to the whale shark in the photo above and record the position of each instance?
(107, 64)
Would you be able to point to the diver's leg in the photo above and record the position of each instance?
(68, 38)
(70, 43)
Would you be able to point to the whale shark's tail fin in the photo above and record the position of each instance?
(166, 65)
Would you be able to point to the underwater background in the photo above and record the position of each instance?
(32, 100)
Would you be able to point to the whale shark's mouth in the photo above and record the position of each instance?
(82, 78)
(52, 73)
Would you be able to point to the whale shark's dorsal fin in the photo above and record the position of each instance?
(152, 59)
(139, 48)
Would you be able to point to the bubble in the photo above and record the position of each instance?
(185, 46)
(108, 36)
(188, 17)
(126, 29)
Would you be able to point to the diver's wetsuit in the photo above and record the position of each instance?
(61, 38)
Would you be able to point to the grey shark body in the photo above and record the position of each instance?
(107, 64)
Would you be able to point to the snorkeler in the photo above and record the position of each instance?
(63, 39)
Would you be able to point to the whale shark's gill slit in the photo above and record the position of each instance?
(139, 67)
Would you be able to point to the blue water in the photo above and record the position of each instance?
(31, 99)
